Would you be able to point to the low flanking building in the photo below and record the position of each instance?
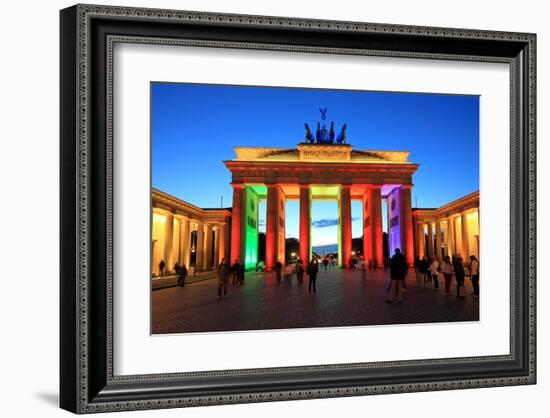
(187, 234)
(452, 229)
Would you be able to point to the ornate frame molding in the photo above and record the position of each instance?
(87, 381)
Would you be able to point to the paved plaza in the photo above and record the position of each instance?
(343, 298)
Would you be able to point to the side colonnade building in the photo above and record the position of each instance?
(451, 230)
(187, 234)
(320, 172)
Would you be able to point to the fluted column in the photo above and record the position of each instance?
(345, 229)
(184, 242)
(367, 245)
(430, 240)
(236, 226)
(176, 244)
(420, 238)
(375, 230)
(199, 249)
(207, 261)
(438, 238)
(272, 226)
(451, 233)
(217, 245)
(168, 242)
(227, 241)
(305, 223)
(465, 239)
(407, 235)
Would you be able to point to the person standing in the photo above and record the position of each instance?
(312, 270)
(459, 277)
(417, 271)
(162, 264)
(235, 272)
(363, 267)
(300, 270)
(447, 270)
(424, 270)
(398, 272)
(181, 272)
(434, 272)
(474, 275)
(241, 274)
(278, 270)
(289, 271)
(223, 273)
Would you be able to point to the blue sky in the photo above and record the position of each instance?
(195, 127)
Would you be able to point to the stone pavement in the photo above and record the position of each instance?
(343, 298)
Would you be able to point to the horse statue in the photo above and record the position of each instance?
(341, 138)
(309, 136)
(318, 134)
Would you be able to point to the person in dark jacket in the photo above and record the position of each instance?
(162, 264)
(458, 267)
(181, 272)
(300, 270)
(312, 270)
(398, 271)
(423, 267)
(235, 272)
(279, 270)
(241, 273)
(223, 271)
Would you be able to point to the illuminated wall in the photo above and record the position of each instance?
(251, 230)
(157, 233)
(473, 232)
(394, 232)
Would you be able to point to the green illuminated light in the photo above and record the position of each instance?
(251, 230)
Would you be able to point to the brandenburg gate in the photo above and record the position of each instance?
(321, 169)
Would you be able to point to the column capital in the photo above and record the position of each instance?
(304, 185)
(346, 186)
(237, 185)
(406, 186)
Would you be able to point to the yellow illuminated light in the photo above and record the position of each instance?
(158, 218)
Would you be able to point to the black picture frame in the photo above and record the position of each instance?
(87, 383)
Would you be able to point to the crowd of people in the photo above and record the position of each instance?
(429, 272)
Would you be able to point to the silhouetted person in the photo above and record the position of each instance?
(162, 264)
(417, 271)
(181, 272)
(434, 272)
(423, 268)
(474, 274)
(223, 272)
(241, 273)
(278, 270)
(300, 270)
(235, 272)
(398, 271)
(363, 267)
(447, 270)
(312, 270)
(459, 276)
(325, 263)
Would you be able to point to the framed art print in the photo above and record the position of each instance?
(262, 208)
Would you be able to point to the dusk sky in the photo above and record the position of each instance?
(195, 127)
